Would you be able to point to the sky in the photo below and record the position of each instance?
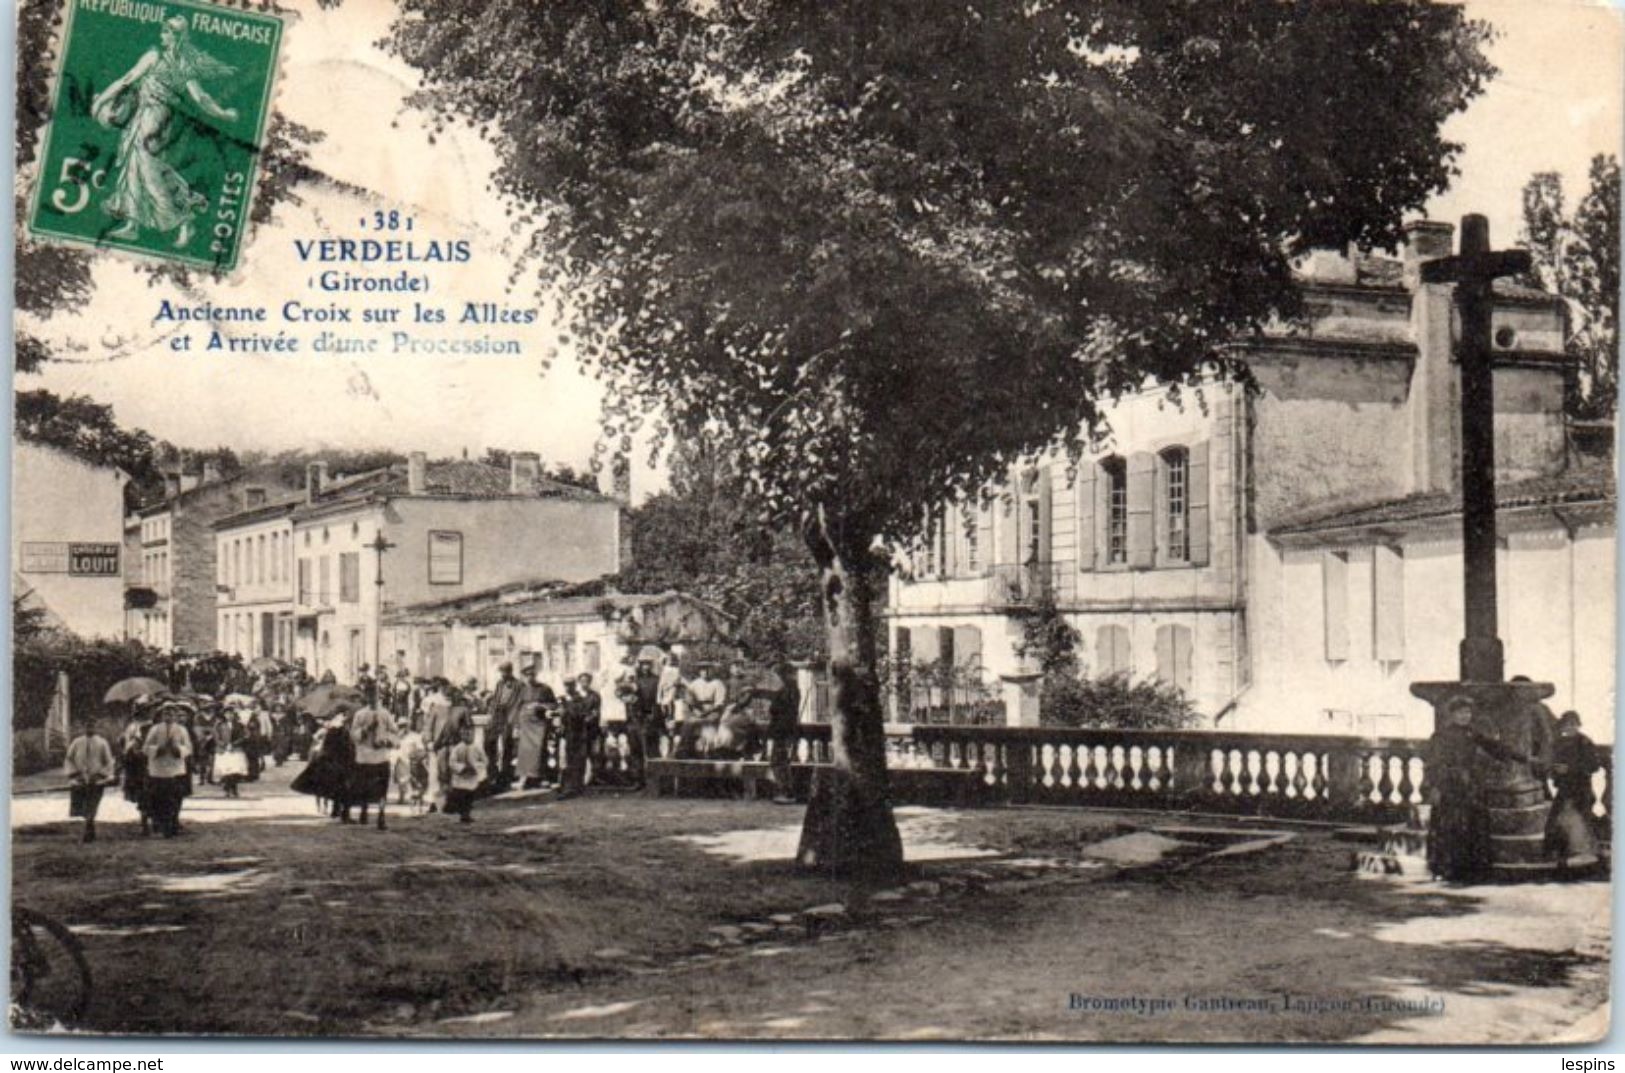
(1557, 102)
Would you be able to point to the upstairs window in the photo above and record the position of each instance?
(1114, 472)
(1176, 503)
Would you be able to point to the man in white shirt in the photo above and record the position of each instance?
(167, 747)
(89, 767)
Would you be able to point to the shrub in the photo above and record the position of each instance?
(1114, 701)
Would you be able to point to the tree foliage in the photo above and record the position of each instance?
(882, 249)
(1576, 255)
(877, 252)
(698, 538)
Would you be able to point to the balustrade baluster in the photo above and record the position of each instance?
(1385, 784)
(1083, 776)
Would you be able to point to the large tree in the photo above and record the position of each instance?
(1576, 255)
(878, 251)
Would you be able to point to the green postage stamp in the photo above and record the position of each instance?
(157, 119)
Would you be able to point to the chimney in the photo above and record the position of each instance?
(172, 485)
(1425, 240)
(1434, 396)
(523, 469)
(253, 497)
(417, 473)
(315, 480)
(211, 471)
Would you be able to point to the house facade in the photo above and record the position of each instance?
(318, 576)
(545, 625)
(176, 586)
(1209, 541)
(67, 539)
(254, 579)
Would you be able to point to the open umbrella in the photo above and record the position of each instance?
(127, 690)
(651, 654)
(322, 700)
(266, 665)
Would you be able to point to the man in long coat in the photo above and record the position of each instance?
(506, 698)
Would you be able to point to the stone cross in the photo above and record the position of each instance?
(1474, 271)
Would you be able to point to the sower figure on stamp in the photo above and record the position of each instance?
(149, 192)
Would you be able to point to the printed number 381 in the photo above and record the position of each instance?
(75, 182)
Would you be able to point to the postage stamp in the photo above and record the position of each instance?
(158, 116)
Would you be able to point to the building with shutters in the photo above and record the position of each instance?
(1291, 558)
(173, 575)
(304, 576)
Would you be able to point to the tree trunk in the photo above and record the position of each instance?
(849, 831)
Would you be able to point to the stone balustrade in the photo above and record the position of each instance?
(1303, 776)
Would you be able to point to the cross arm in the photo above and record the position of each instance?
(1475, 267)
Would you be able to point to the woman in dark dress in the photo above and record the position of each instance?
(134, 761)
(1570, 838)
(327, 776)
(1458, 827)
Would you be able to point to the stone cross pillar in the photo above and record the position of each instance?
(1474, 272)
(1503, 711)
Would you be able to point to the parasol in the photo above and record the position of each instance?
(128, 690)
(266, 665)
(651, 654)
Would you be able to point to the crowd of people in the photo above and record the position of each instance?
(424, 741)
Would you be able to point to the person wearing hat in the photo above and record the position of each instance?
(89, 767)
(535, 729)
(506, 697)
(706, 699)
(1570, 837)
(133, 760)
(168, 747)
(645, 722)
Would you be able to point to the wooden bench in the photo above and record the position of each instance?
(665, 778)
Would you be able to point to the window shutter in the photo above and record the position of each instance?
(1046, 545)
(1008, 507)
(1388, 602)
(950, 538)
(1335, 581)
(1141, 482)
(984, 536)
(1182, 659)
(1165, 654)
(1086, 515)
(1196, 478)
(967, 646)
(1159, 509)
(1103, 520)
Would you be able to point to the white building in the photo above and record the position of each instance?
(67, 538)
(1291, 559)
(308, 579)
(255, 583)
